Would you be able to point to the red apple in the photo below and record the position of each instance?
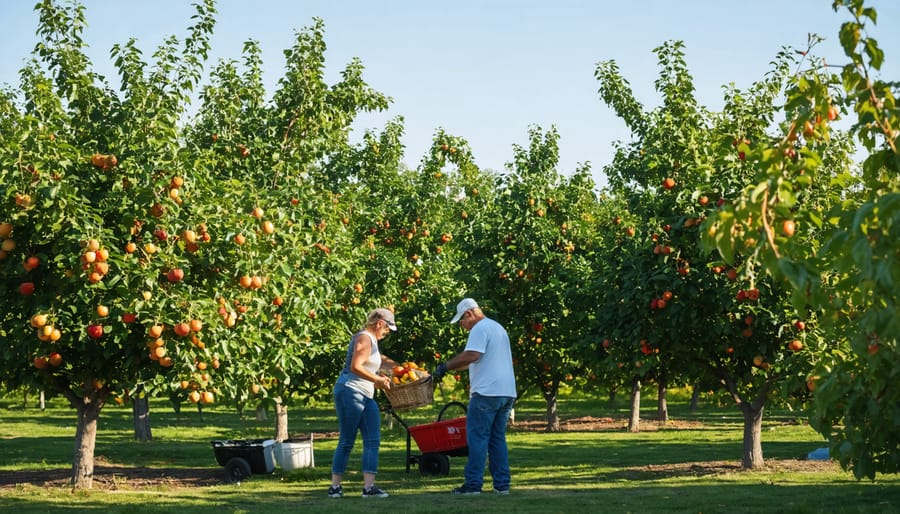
(788, 228)
(182, 329)
(31, 263)
(95, 331)
(55, 359)
(175, 275)
(26, 288)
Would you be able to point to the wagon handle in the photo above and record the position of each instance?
(458, 404)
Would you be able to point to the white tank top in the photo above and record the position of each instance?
(372, 364)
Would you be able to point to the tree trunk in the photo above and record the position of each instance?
(85, 442)
(42, 403)
(634, 422)
(550, 396)
(662, 408)
(753, 455)
(261, 413)
(613, 392)
(281, 422)
(140, 409)
(695, 398)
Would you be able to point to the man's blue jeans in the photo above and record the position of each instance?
(486, 420)
(356, 412)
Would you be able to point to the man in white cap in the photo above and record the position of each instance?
(492, 393)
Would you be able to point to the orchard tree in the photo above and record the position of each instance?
(836, 245)
(526, 262)
(444, 196)
(137, 254)
(83, 168)
(679, 310)
(291, 262)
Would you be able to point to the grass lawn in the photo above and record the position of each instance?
(690, 464)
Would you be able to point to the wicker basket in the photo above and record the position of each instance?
(411, 395)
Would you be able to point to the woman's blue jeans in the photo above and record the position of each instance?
(356, 413)
(486, 420)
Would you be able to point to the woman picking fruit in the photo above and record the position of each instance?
(357, 410)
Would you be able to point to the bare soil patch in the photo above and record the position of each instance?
(698, 469)
(594, 424)
(111, 478)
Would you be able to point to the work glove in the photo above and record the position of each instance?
(439, 372)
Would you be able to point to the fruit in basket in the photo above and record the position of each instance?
(407, 372)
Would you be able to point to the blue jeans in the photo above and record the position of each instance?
(356, 413)
(486, 420)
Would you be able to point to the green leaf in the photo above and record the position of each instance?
(876, 55)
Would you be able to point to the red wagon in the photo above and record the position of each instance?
(437, 441)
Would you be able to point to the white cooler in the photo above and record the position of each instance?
(294, 454)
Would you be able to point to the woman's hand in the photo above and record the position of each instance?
(383, 382)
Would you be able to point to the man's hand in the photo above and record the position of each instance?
(440, 371)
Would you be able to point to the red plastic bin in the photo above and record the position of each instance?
(441, 436)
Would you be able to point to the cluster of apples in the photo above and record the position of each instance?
(8, 244)
(94, 261)
(45, 330)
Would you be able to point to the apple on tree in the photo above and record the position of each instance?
(95, 331)
(175, 275)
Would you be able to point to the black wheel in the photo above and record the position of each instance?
(434, 464)
(237, 470)
(458, 405)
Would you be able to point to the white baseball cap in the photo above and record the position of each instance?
(462, 307)
(383, 315)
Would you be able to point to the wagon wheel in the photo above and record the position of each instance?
(237, 470)
(434, 464)
(451, 404)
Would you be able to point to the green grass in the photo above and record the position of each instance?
(602, 471)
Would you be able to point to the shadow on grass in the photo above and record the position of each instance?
(573, 496)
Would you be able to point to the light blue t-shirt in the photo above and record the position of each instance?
(492, 374)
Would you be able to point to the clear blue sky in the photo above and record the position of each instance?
(487, 70)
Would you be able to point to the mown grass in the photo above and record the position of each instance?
(572, 471)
